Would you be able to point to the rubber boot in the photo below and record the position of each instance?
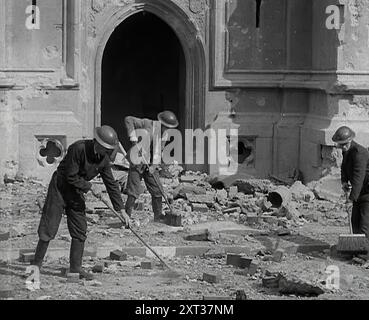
(40, 253)
(75, 259)
(157, 207)
(129, 205)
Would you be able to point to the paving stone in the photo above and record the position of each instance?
(26, 257)
(118, 255)
(199, 207)
(173, 219)
(4, 236)
(199, 235)
(146, 265)
(98, 267)
(233, 260)
(211, 278)
(245, 262)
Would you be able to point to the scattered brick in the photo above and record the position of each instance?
(278, 255)
(241, 295)
(199, 207)
(73, 277)
(233, 190)
(146, 265)
(6, 293)
(245, 262)
(231, 210)
(4, 236)
(200, 235)
(216, 298)
(118, 255)
(114, 224)
(98, 267)
(211, 278)
(200, 198)
(233, 260)
(26, 256)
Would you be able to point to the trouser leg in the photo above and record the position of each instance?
(153, 186)
(355, 217)
(129, 205)
(364, 218)
(40, 252)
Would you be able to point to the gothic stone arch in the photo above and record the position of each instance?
(191, 41)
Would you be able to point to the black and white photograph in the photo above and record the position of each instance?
(184, 155)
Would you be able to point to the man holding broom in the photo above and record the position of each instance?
(84, 160)
(355, 178)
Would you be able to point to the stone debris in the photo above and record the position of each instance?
(211, 278)
(118, 255)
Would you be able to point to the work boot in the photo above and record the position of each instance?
(40, 253)
(75, 259)
(157, 207)
(129, 205)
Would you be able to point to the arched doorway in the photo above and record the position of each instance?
(143, 72)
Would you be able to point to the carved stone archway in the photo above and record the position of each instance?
(190, 39)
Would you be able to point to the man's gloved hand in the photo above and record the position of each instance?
(126, 219)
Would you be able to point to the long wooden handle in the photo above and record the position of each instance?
(349, 212)
(130, 228)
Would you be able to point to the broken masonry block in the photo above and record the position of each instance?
(271, 282)
(278, 255)
(98, 267)
(4, 236)
(114, 224)
(241, 295)
(199, 235)
(211, 278)
(173, 219)
(118, 255)
(6, 293)
(73, 277)
(188, 178)
(199, 207)
(139, 206)
(26, 256)
(146, 265)
(233, 260)
(207, 199)
(245, 262)
(253, 268)
(233, 190)
(216, 298)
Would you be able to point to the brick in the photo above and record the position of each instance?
(4, 236)
(200, 198)
(146, 265)
(188, 178)
(241, 295)
(6, 293)
(270, 282)
(200, 235)
(217, 298)
(73, 277)
(114, 224)
(233, 190)
(98, 267)
(211, 278)
(245, 262)
(174, 220)
(278, 255)
(199, 207)
(231, 210)
(233, 260)
(118, 255)
(26, 257)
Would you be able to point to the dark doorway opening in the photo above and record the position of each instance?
(143, 73)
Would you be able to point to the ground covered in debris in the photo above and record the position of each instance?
(258, 237)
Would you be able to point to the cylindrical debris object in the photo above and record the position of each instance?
(279, 197)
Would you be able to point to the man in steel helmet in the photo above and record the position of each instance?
(165, 120)
(84, 160)
(355, 177)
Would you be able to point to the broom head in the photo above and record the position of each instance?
(352, 243)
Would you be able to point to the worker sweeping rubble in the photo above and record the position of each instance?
(137, 171)
(84, 160)
(355, 179)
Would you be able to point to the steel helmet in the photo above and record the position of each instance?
(343, 135)
(106, 137)
(168, 119)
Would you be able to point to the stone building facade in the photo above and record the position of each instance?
(285, 73)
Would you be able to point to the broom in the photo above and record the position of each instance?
(351, 243)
